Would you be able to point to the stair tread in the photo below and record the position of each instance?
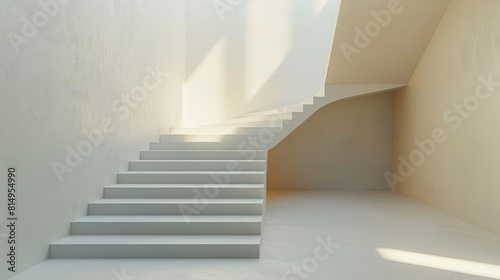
(177, 201)
(229, 130)
(195, 151)
(158, 239)
(211, 138)
(259, 186)
(295, 108)
(197, 160)
(207, 142)
(189, 134)
(234, 127)
(247, 124)
(175, 186)
(170, 218)
(192, 172)
(277, 116)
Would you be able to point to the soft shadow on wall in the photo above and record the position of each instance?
(346, 145)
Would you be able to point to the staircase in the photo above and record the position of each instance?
(180, 200)
(198, 193)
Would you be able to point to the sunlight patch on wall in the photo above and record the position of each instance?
(205, 89)
(318, 6)
(268, 42)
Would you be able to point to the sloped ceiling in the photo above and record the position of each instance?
(389, 48)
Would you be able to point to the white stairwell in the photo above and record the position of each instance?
(198, 193)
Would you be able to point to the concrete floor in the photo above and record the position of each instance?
(362, 235)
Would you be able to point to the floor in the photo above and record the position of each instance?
(361, 235)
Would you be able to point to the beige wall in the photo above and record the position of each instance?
(448, 94)
(345, 145)
(390, 53)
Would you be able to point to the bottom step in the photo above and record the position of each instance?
(156, 246)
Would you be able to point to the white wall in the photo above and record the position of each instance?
(65, 79)
(450, 96)
(248, 55)
(346, 145)
(385, 48)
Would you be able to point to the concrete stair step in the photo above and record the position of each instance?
(206, 138)
(167, 225)
(269, 118)
(178, 206)
(197, 165)
(220, 130)
(184, 191)
(249, 153)
(156, 246)
(205, 145)
(288, 109)
(192, 177)
(269, 123)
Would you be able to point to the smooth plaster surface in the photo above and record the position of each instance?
(246, 56)
(455, 90)
(388, 46)
(75, 76)
(344, 145)
(357, 222)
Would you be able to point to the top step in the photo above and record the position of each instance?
(298, 108)
(268, 118)
(220, 138)
(276, 122)
(223, 130)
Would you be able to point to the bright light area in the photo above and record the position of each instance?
(443, 263)
(206, 87)
(268, 42)
(318, 6)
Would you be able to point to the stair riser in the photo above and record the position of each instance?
(269, 118)
(155, 251)
(204, 145)
(205, 155)
(204, 138)
(145, 192)
(170, 228)
(218, 130)
(221, 178)
(269, 123)
(290, 109)
(175, 209)
(196, 166)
